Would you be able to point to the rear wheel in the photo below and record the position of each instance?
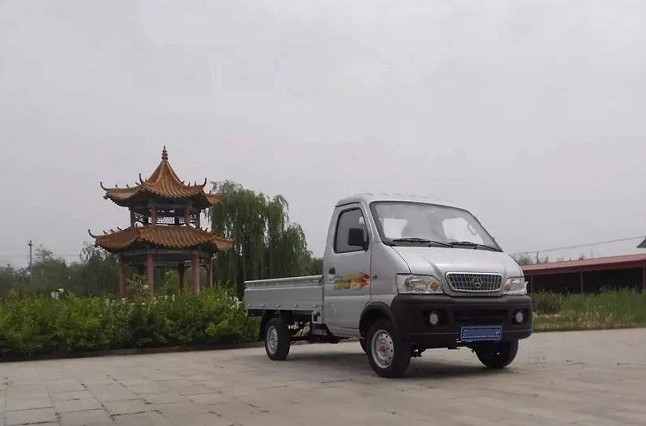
(498, 356)
(277, 340)
(389, 356)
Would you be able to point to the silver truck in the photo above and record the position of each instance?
(400, 274)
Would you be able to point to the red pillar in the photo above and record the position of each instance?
(181, 268)
(151, 273)
(195, 266)
(209, 273)
(122, 278)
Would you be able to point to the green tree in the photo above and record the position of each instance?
(167, 282)
(49, 272)
(525, 259)
(98, 272)
(94, 274)
(266, 243)
(315, 266)
(10, 277)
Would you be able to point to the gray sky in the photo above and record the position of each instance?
(528, 113)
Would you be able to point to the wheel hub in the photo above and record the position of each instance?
(272, 339)
(383, 349)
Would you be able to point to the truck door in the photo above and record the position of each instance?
(347, 271)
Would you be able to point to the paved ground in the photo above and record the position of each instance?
(586, 378)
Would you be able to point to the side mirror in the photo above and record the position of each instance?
(356, 238)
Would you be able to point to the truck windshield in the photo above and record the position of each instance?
(411, 223)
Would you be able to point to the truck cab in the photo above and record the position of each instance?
(402, 274)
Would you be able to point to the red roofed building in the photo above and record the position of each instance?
(588, 275)
(164, 227)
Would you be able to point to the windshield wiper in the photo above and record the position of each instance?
(474, 245)
(421, 241)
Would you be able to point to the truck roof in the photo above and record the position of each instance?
(369, 197)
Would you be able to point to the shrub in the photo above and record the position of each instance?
(43, 325)
(547, 303)
(612, 309)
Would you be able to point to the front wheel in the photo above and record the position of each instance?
(388, 354)
(277, 341)
(498, 356)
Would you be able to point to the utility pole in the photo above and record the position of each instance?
(30, 244)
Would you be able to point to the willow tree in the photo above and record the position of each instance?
(266, 243)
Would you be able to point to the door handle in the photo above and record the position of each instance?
(331, 271)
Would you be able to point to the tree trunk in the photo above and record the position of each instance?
(240, 281)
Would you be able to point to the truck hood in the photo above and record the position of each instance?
(440, 260)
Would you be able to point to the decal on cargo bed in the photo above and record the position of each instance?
(353, 282)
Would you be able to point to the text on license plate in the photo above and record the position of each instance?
(481, 333)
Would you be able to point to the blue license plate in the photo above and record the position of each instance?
(486, 333)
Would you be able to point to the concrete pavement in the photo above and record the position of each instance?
(582, 378)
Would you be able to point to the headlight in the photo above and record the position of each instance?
(516, 285)
(418, 284)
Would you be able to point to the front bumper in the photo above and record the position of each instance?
(412, 312)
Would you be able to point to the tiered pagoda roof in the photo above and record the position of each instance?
(170, 237)
(162, 183)
(164, 188)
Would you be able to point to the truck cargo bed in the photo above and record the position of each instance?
(292, 294)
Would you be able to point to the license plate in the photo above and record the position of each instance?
(485, 333)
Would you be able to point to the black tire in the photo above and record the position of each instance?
(498, 356)
(277, 340)
(391, 366)
(364, 344)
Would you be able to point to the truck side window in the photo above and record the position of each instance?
(348, 219)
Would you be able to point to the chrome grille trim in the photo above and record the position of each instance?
(467, 282)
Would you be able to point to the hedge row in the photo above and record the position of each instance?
(43, 325)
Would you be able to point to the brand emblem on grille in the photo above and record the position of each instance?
(477, 282)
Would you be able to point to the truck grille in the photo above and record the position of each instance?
(473, 282)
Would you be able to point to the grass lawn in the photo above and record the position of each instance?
(614, 309)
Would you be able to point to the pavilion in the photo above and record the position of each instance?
(164, 227)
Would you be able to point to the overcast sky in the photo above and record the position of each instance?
(530, 114)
